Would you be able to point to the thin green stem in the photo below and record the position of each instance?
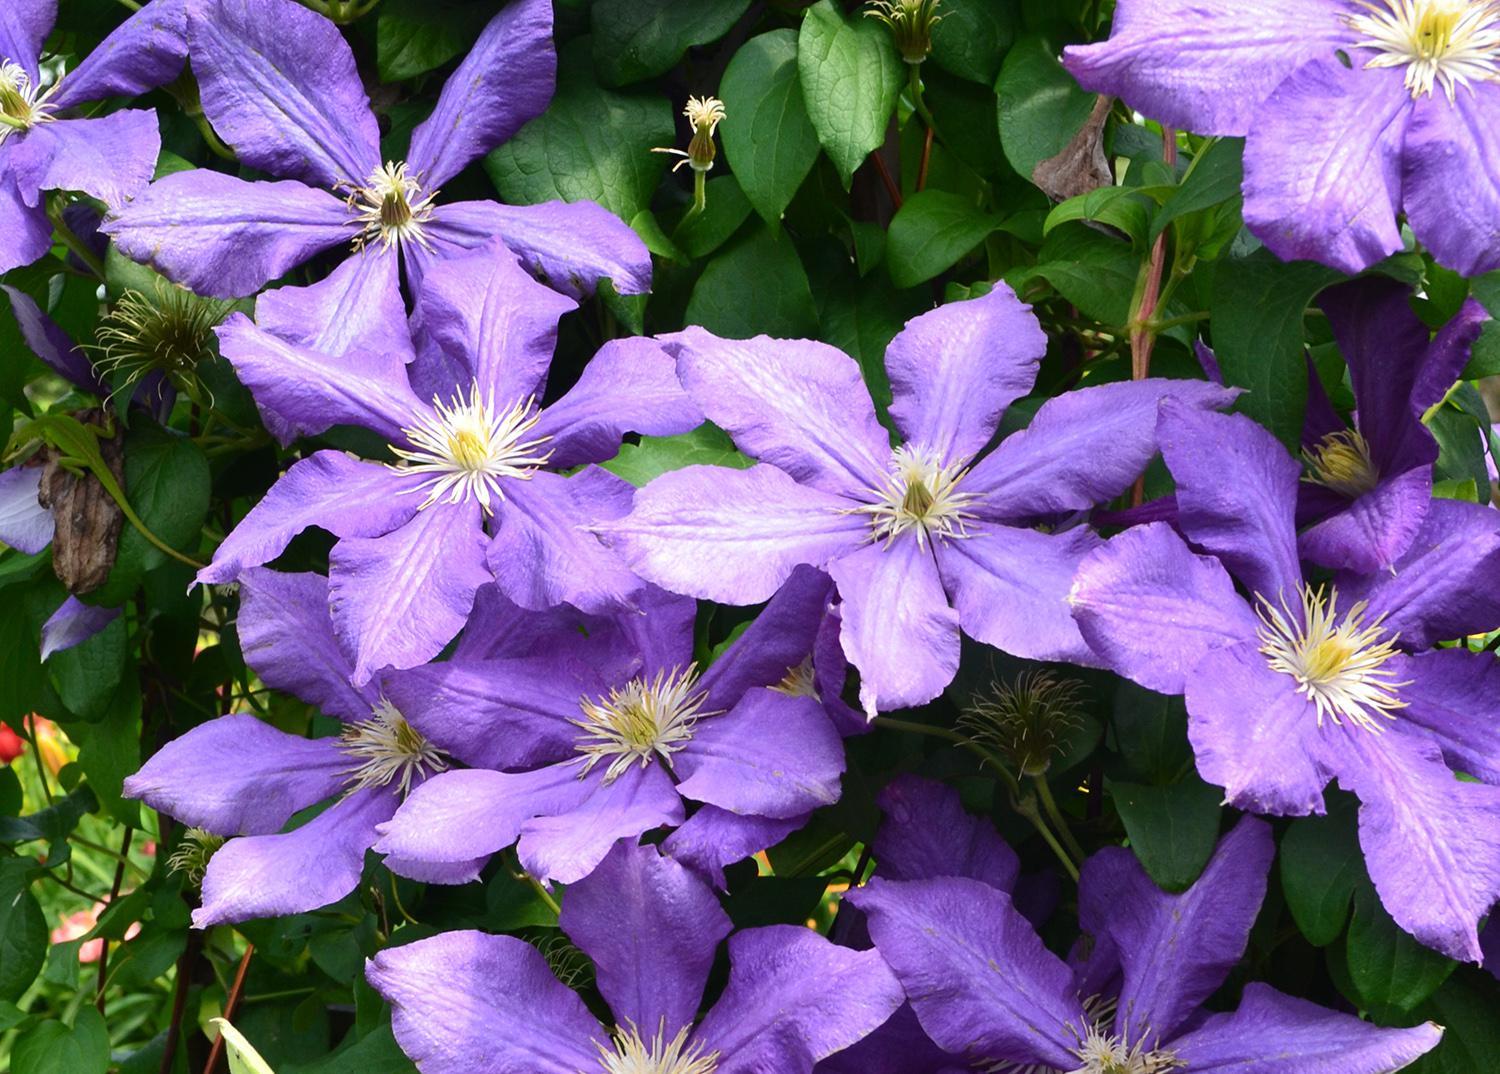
(1059, 821)
(74, 244)
(914, 87)
(28, 732)
(131, 4)
(546, 895)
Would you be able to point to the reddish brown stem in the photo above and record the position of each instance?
(114, 893)
(185, 967)
(885, 177)
(1142, 335)
(926, 158)
(231, 1004)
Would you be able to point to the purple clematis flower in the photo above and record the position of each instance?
(466, 1001)
(413, 539)
(1295, 684)
(605, 737)
(110, 157)
(1353, 111)
(279, 83)
(1368, 488)
(239, 777)
(945, 938)
(921, 540)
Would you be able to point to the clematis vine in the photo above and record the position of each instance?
(922, 539)
(1353, 112)
(1296, 683)
(609, 731)
(467, 1001)
(471, 491)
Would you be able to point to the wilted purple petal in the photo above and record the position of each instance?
(51, 344)
(1451, 146)
(145, 51)
(74, 623)
(25, 524)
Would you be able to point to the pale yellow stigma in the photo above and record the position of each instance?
(472, 447)
(389, 750)
(919, 496)
(1341, 461)
(1450, 43)
(1338, 663)
(800, 681)
(705, 114)
(645, 718)
(22, 105)
(391, 208)
(633, 1054)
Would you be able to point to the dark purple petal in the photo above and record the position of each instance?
(1453, 696)
(1447, 355)
(927, 833)
(1453, 145)
(145, 51)
(356, 310)
(775, 642)
(713, 838)
(24, 25)
(25, 231)
(280, 86)
(954, 370)
(74, 623)
(651, 928)
(1369, 534)
(25, 524)
(51, 344)
(506, 79)
(898, 1047)
(110, 158)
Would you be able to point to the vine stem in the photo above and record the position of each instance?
(891, 189)
(544, 893)
(231, 1004)
(114, 893)
(1054, 814)
(1148, 295)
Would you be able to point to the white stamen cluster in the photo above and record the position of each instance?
(391, 208)
(22, 105)
(919, 496)
(1450, 43)
(642, 719)
(386, 749)
(634, 1054)
(471, 447)
(1103, 1052)
(1341, 461)
(1337, 662)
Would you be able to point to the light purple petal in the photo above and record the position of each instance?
(776, 641)
(399, 598)
(506, 79)
(145, 51)
(110, 158)
(1323, 164)
(1454, 145)
(225, 237)
(1372, 532)
(356, 310)
(794, 998)
(1150, 608)
(25, 231)
(25, 524)
(945, 938)
(1453, 697)
(463, 1002)
(651, 928)
(955, 369)
(927, 833)
(239, 775)
(347, 497)
(280, 86)
(712, 838)
(51, 344)
(898, 628)
(24, 25)
(629, 386)
(732, 536)
(1205, 66)
(74, 623)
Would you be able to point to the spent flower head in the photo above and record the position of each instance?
(168, 333)
(911, 23)
(705, 114)
(1027, 720)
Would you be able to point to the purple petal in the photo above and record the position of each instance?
(145, 51)
(51, 344)
(713, 838)
(1323, 164)
(225, 237)
(1010, 587)
(1372, 532)
(651, 928)
(463, 1002)
(1309, 1039)
(506, 79)
(926, 833)
(238, 774)
(280, 86)
(1453, 145)
(571, 245)
(110, 158)
(25, 231)
(1150, 608)
(347, 497)
(1447, 355)
(954, 370)
(1082, 448)
(944, 939)
(355, 310)
(1205, 67)
(25, 524)
(399, 598)
(794, 998)
(732, 536)
(24, 25)
(1236, 495)
(1453, 697)
(776, 641)
(286, 636)
(898, 1047)
(898, 628)
(74, 623)
(629, 386)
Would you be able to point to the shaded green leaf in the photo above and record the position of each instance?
(51, 1047)
(768, 137)
(971, 38)
(414, 36)
(851, 76)
(1321, 866)
(1172, 829)
(1041, 107)
(930, 232)
(757, 285)
(707, 445)
(1390, 972)
(636, 39)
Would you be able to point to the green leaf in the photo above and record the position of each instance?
(1041, 107)
(1390, 972)
(1172, 829)
(1484, 359)
(53, 824)
(930, 232)
(1094, 271)
(1465, 1007)
(51, 1047)
(851, 76)
(22, 679)
(1487, 290)
(1151, 733)
(23, 930)
(860, 317)
(1215, 178)
(757, 285)
(707, 445)
(768, 138)
(415, 36)
(86, 675)
(375, 1053)
(1321, 866)
(971, 37)
(591, 144)
(1119, 207)
(243, 1058)
(110, 750)
(636, 39)
(726, 209)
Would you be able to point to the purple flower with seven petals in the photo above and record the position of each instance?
(466, 1001)
(921, 540)
(1295, 684)
(1353, 111)
(946, 938)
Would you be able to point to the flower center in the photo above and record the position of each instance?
(1103, 1052)
(470, 447)
(641, 719)
(1447, 42)
(390, 208)
(22, 105)
(1341, 461)
(1337, 662)
(386, 748)
(634, 1054)
(800, 681)
(920, 495)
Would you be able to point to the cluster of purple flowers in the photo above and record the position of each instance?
(507, 631)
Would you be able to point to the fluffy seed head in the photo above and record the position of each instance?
(1448, 43)
(911, 23)
(170, 334)
(190, 859)
(1027, 720)
(386, 749)
(645, 718)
